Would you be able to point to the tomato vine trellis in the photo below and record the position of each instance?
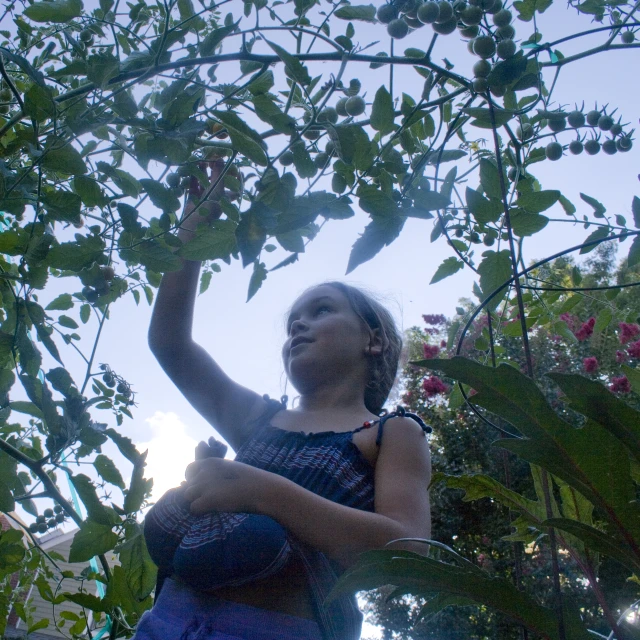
(97, 105)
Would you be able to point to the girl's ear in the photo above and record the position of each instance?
(375, 346)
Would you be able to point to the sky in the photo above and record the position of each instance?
(245, 338)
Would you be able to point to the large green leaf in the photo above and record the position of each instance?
(210, 43)
(490, 179)
(108, 471)
(382, 112)
(76, 255)
(211, 243)
(537, 201)
(139, 488)
(140, 570)
(243, 139)
(590, 459)
(56, 11)
(379, 233)
(366, 12)
(92, 540)
(595, 401)
(494, 270)
(161, 196)
(96, 511)
(448, 267)
(482, 209)
(155, 256)
(7, 503)
(421, 574)
(63, 158)
(294, 67)
(526, 224)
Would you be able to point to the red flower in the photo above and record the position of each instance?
(434, 386)
(621, 357)
(628, 331)
(434, 319)
(570, 319)
(430, 350)
(586, 330)
(590, 364)
(620, 385)
(634, 349)
(443, 344)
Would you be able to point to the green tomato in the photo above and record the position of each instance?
(592, 147)
(445, 28)
(484, 47)
(286, 159)
(428, 12)
(506, 49)
(398, 29)
(386, 13)
(502, 18)
(576, 147)
(576, 119)
(481, 69)
(609, 147)
(553, 151)
(355, 106)
(471, 16)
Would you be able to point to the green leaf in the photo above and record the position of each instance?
(527, 8)
(39, 103)
(268, 111)
(366, 12)
(295, 68)
(526, 224)
(353, 145)
(599, 234)
(635, 209)
(89, 191)
(508, 71)
(67, 322)
(96, 511)
(634, 252)
(428, 201)
(141, 572)
(596, 541)
(382, 113)
(537, 201)
(161, 196)
(590, 459)
(482, 209)
(598, 208)
(87, 601)
(63, 159)
(108, 470)
(139, 488)
(211, 243)
(593, 400)
(57, 11)
(258, 276)
(603, 320)
(567, 205)
(633, 375)
(483, 117)
(85, 313)
(7, 504)
(93, 539)
(379, 233)
(63, 302)
(76, 255)
(101, 67)
(62, 205)
(123, 180)
(420, 574)
(243, 139)
(210, 43)
(261, 82)
(494, 270)
(156, 257)
(376, 202)
(450, 266)
(490, 179)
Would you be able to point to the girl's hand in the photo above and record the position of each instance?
(216, 484)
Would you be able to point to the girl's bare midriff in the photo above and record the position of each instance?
(288, 591)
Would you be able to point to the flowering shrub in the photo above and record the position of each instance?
(590, 364)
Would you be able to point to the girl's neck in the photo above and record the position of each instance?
(341, 398)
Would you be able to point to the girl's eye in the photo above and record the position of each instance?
(322, 308)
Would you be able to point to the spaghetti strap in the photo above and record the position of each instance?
(401, 412)
(273, 406)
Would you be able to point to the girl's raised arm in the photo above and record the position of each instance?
(226, 405)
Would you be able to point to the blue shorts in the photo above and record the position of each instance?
(181, 613)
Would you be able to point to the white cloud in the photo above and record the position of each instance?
(170, 451)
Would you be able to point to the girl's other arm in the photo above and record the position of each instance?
(225, 404)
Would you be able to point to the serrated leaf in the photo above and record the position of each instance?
(63, 302)
(140, 571)
(379, 233)
(295, 68)
(57, 11)
(634, 252)
(599, 234)
(89, 191)
(210, 43)
(108, 470)
(482, 209)
(211, 243)
(567, 205)
(483, 117)
(490, 179)
(161, 196)
(526, 224)
(598, 208)
(537, 201)
(258, 276)
(91, 540)
(450, 266)
(63, 159)
(365, 12)
(382, 112)
(494, 270)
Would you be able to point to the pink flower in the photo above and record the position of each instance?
(590, 364)
(443, 344)
(570, 319)
(432, 331)
(628, 331)
(434, 319)
(434, 386)
(430, 350)
(621, 357)
(634, 349)
(620, 385)
(586, 330)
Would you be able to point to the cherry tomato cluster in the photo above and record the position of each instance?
(49, 519)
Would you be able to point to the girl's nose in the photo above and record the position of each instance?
(297, 326)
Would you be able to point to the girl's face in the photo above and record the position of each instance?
(325, 338)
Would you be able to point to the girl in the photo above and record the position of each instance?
(297, 505)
